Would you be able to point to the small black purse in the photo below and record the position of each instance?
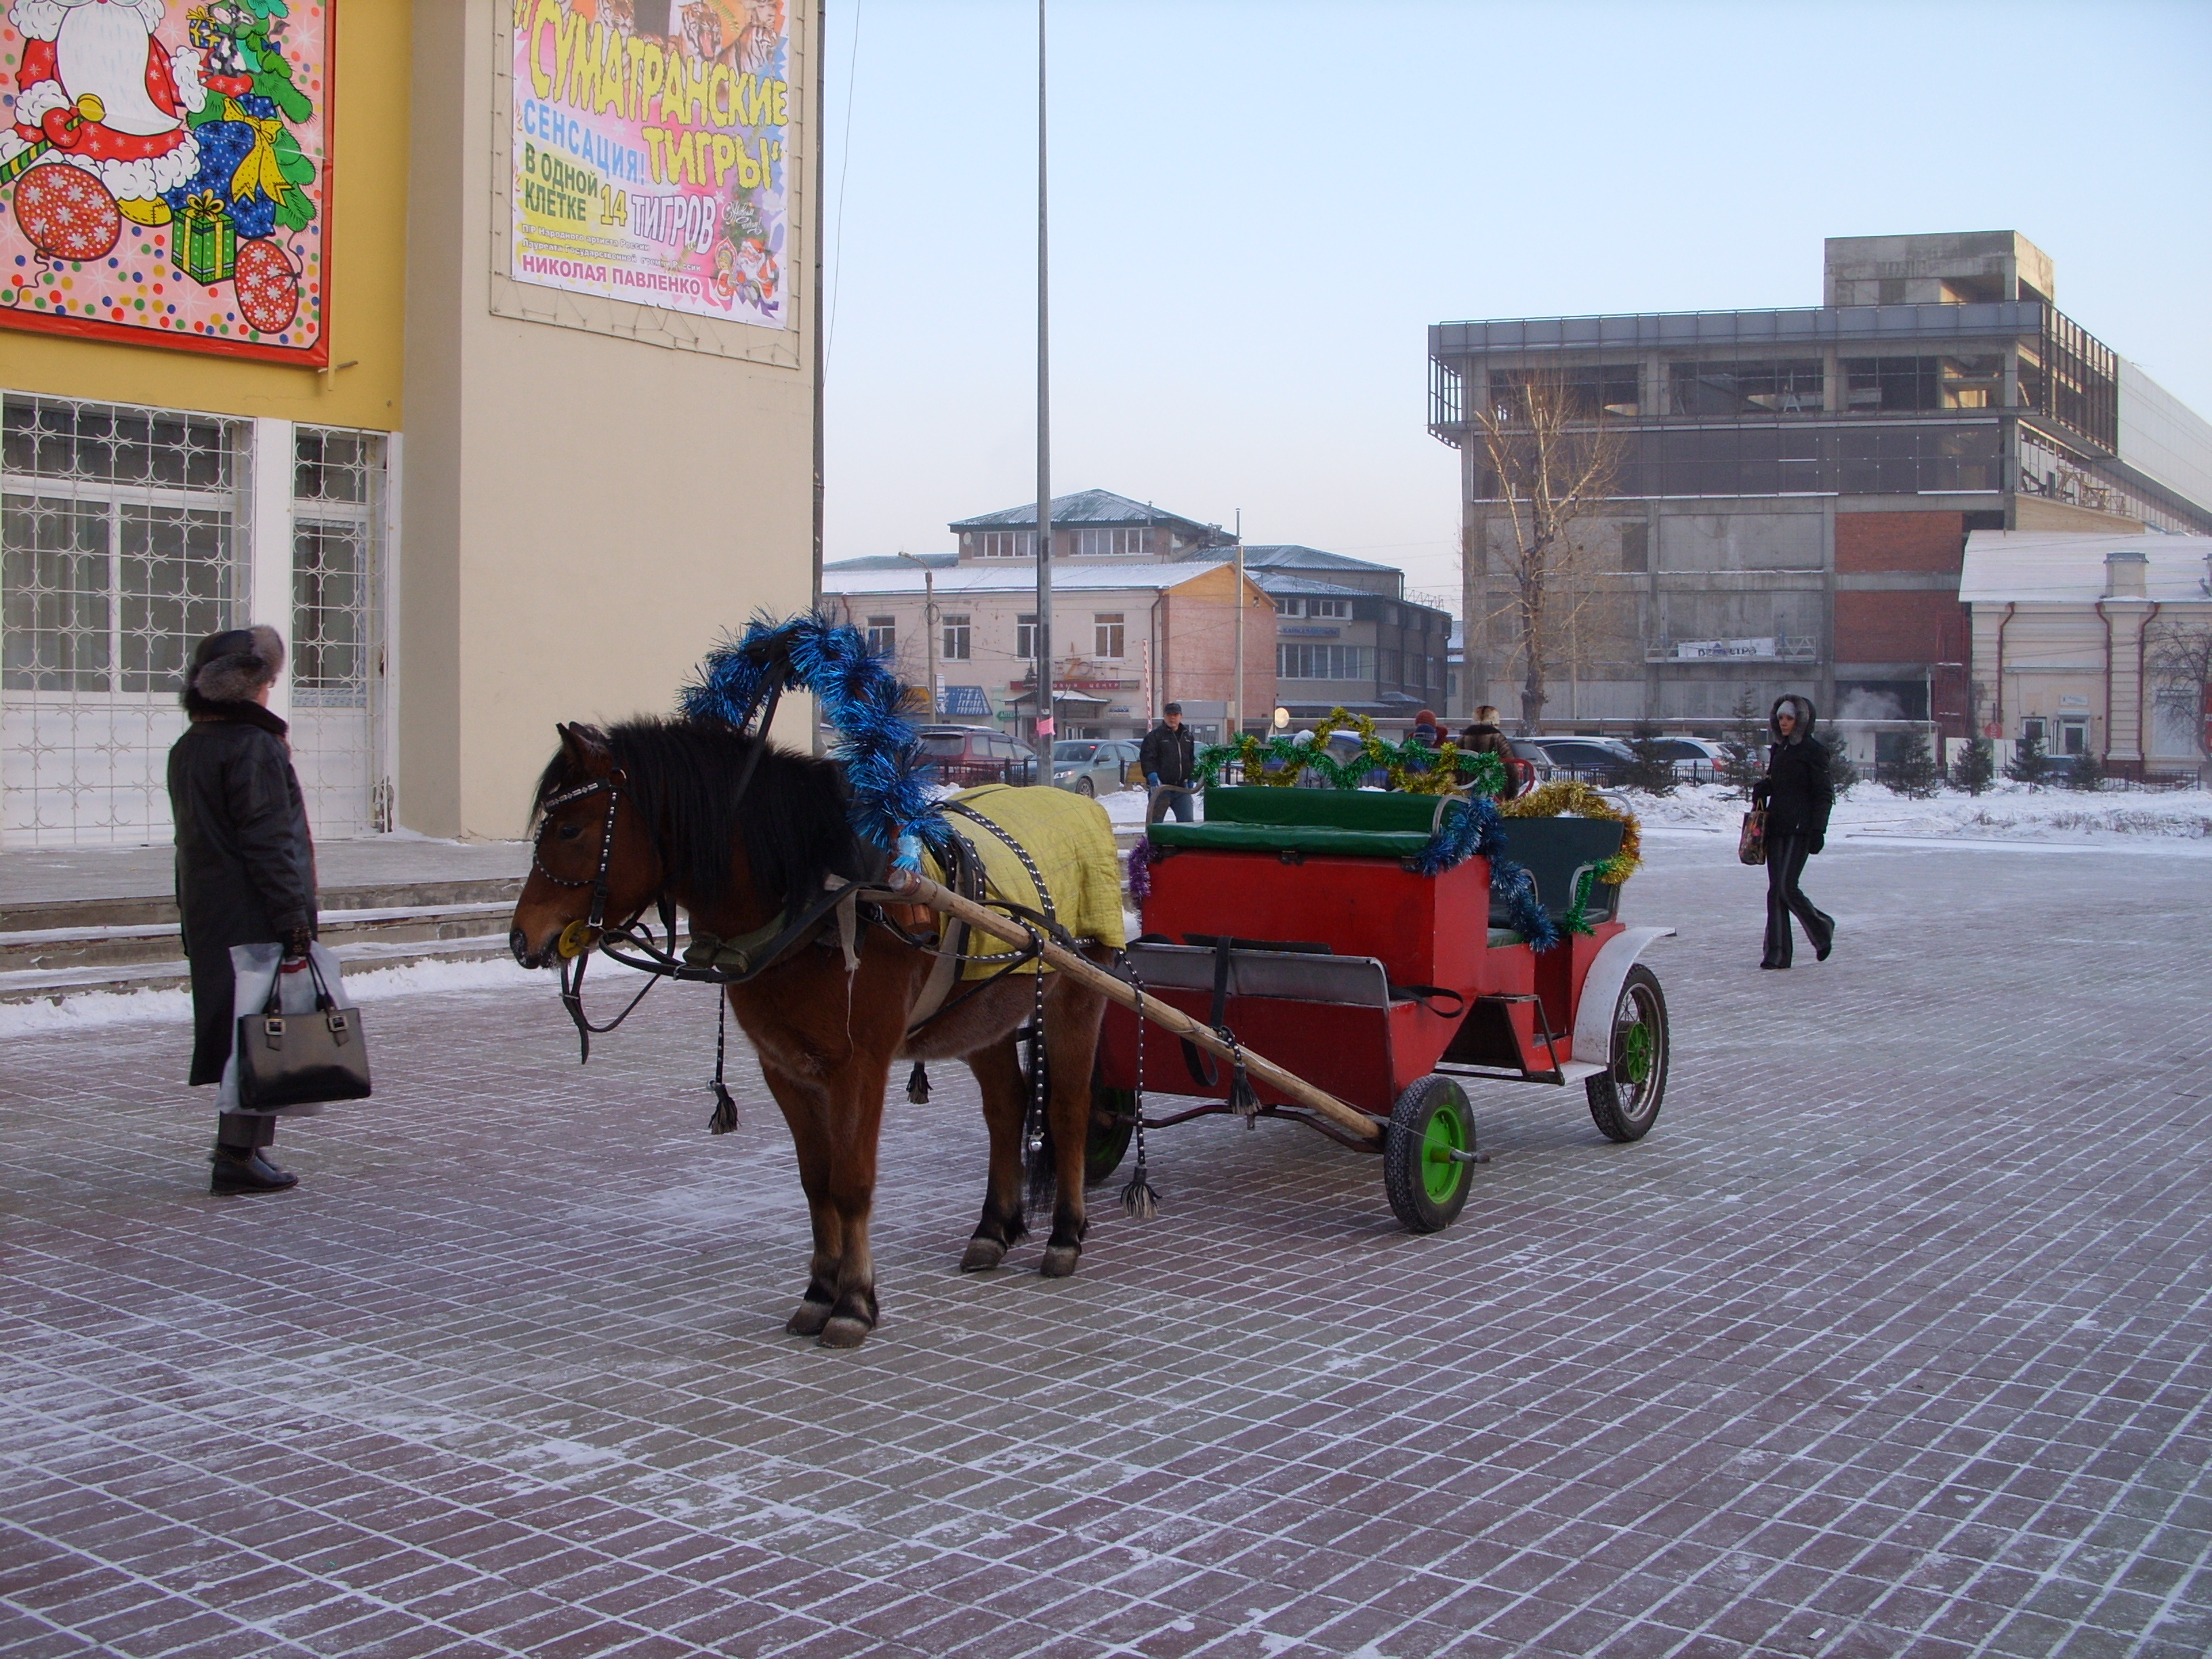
(300, 1060)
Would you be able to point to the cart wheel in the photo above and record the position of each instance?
(1110, 1130)
(1624, 1100)
(1427, 1183)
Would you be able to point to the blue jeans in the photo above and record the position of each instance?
(1177, 801)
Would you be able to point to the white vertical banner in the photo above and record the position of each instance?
(269, 582)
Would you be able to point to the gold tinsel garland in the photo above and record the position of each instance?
(1571, 795)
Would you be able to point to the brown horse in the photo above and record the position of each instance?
(738, 832)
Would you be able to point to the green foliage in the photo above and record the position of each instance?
(272, 79)
(1842, 770)
(1977, 766)
(2029, 764)
(1739, 750)
(2087, 772)
(1651, 771)
(1915, 772)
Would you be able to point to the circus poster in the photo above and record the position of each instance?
(649, 153)
(163, 172)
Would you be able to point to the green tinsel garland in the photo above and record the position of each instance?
(1413, 767)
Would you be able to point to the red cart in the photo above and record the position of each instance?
(1294, 919)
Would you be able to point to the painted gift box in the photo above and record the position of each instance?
(203, 242)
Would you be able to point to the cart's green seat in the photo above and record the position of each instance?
(1348, 822)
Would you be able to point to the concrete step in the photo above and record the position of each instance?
(44, 915)
(53, 948)
(52, 984)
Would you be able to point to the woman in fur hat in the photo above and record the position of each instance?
(245, 867)
(1795, 795)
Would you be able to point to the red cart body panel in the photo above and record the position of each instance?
(1425, 931)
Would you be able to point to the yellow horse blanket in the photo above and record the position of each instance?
(1069, 840)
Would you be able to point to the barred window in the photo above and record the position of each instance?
(118, 543)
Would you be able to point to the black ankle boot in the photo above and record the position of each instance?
(1827, 942)
(245, 1170)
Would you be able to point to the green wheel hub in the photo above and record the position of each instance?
(1446, 1132)
(1636, 1052)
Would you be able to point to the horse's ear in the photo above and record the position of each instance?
(582, 743)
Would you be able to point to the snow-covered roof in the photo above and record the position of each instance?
(893, 562)
(1291, 581)
(2068, 567)
(1291, 555)
(1019, 576)
(1084, 507)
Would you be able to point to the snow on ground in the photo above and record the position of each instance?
(2007, 811)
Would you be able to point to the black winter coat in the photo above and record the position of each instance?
(1796, 791)
(1172, 755)
(245, 867)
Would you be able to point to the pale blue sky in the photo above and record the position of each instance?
(1259, 207)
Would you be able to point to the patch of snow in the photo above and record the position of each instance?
(2007, 811)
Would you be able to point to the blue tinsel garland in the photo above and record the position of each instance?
(1474, 825)
(859, 696)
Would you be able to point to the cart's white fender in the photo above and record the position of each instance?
(1600, 991)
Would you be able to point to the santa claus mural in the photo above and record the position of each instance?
(96, 90)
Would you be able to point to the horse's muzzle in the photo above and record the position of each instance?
(519, 942)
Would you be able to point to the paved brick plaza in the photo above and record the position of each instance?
(1892, 1340)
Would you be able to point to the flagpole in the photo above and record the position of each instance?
(1043, 678)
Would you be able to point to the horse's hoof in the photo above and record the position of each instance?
(809, 1319)
(1059, 1260)
(983, 1255)
(845, 1332)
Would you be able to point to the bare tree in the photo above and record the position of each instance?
(1553, 462)
(2179, 662)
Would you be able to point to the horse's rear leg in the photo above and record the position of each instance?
(1072, 1014)
(998, 1072)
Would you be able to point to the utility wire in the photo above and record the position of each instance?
(844, 166)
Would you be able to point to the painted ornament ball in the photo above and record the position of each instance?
(268, 287)
(67, 213)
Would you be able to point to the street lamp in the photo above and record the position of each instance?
(928, 625)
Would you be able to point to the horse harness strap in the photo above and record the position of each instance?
(966, 878)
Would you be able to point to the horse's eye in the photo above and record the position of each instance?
(570, 831)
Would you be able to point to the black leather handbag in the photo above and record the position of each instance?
(299, 1060)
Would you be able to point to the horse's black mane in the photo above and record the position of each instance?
(683, 779)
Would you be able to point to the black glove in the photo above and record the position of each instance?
(296, 941)
(1819, 842)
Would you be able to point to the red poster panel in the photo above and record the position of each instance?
(165, 172)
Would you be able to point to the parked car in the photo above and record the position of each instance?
(1603, 761)
(963, 756)
(1695, 760)
(1093, 765)
(1528, 749)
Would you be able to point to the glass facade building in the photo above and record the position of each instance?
(1788, 492)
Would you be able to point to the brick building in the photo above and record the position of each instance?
(1794, 489)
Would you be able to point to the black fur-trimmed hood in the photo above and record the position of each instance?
(1807, 718)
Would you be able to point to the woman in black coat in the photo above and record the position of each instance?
(245, 867)
(1796, 794)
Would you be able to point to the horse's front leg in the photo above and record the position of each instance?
(805, 1105)
(1072, 1014)
(853, 1312)
(1005, 1092)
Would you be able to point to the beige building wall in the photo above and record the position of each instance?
(584, 513)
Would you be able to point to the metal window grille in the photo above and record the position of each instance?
(338, 645)
(118, 550)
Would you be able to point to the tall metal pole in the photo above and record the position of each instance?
(1236, 709)
(1043, 641)
(928, 625)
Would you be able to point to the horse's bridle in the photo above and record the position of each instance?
(577, 937)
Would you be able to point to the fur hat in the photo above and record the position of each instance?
(232, 665)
